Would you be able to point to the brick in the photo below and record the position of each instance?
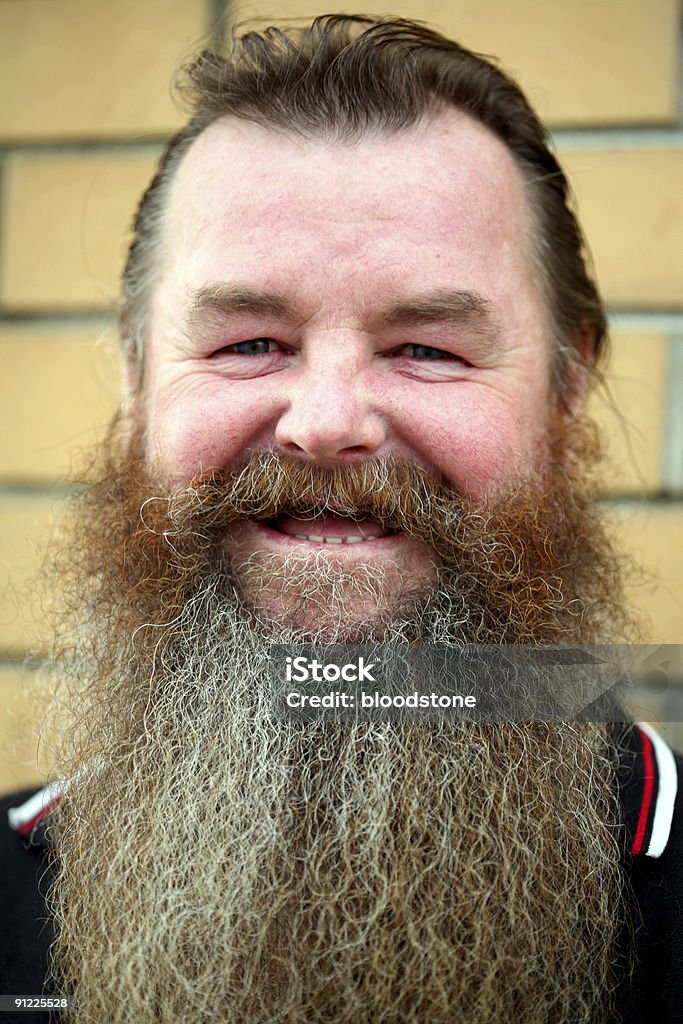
(18, 732)
(58, 390)
(581, 62)
(631, 413)
(654, 536)
(26, 526)
(631, 207)
(66, 218)
(78, 69)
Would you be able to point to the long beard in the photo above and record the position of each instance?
(214, 863)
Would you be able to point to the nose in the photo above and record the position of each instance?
(329, 415)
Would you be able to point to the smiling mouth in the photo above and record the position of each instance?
(330, 529)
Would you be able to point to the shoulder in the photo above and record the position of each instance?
(20, 850)
(25, 932)
(652, 781)
(657, 850)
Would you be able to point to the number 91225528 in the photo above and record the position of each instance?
(19, 1003)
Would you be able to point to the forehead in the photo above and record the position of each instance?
(442, 199)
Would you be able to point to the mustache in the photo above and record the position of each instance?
(401, 496)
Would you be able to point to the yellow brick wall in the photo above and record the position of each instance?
(84, 111)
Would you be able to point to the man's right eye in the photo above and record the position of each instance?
(254, 347)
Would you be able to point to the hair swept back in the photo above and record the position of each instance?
(346, 75)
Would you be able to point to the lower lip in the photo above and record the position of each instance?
(364, 547)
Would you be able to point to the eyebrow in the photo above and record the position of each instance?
(451, 307)
(227, 301)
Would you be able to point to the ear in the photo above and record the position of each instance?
(131, 388)
(579, 369)
(130, 376)
(131, 370)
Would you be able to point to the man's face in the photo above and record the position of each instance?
(339, 302)
(322, 307)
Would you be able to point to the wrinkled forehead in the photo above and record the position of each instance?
(447, 178)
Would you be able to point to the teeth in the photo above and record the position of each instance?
(317, 539)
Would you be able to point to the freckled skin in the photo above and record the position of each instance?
(341, 230)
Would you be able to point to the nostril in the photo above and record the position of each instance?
(354, 449)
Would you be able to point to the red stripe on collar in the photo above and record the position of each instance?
(32, 812)
(648, 756)
(659, 784)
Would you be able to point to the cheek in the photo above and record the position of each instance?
(472, 454)
(207, 429)
(482, 445)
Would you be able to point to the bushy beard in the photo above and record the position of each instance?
(216, 864)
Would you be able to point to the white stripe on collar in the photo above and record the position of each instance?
(33, 808)
(665, 795)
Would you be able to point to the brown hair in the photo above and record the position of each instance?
(343, 76)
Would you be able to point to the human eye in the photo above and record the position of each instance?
(413, 351)
(252, 357)
(430, 363)
(253, 347)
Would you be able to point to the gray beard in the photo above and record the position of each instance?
(216, 864)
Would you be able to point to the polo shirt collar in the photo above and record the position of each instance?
(648, 781)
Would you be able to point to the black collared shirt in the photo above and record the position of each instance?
(651, 781)
(652, 793)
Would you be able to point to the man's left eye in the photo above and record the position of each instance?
(424, 352)
(255, 347)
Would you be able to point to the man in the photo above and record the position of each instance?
(358, 331)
